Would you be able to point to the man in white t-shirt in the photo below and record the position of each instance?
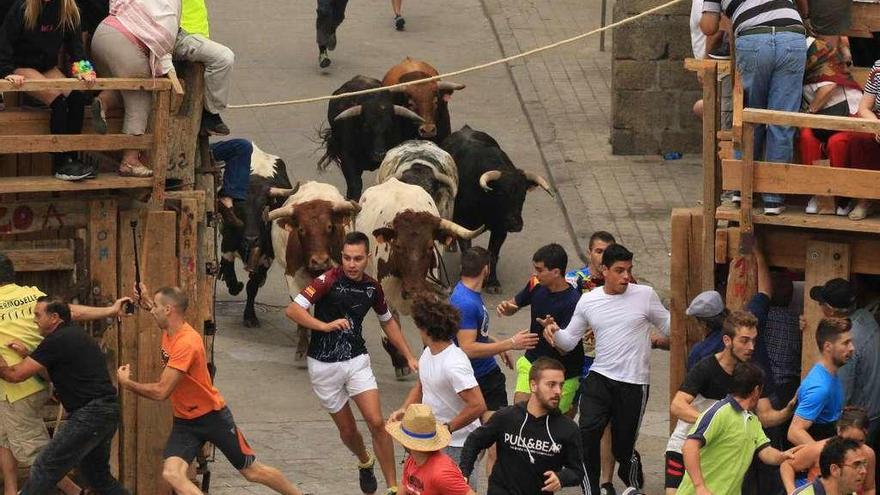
(446, 378)
(616, 389)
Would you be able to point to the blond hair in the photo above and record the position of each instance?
(68, 19)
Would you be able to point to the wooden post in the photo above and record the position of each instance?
(128, 350)
(825, 261)
(711, 173)
(678, 265)
(188, 246)
(159, 149)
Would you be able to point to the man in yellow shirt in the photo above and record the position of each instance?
(194, 45)
(22, 429)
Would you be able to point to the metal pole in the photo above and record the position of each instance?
(602, 23)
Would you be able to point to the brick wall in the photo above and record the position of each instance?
(651, 93)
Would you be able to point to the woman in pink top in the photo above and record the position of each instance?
(135, 40)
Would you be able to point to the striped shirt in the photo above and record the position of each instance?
(752, 13)
(872, 87)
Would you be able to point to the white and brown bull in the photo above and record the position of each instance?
(307, 234)
(404, 225)
(423, 164)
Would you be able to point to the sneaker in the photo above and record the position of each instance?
(607, 489)
(99, 118)
(213, 125)
(736, 197)
(72, 170)
(773, 209)
(392, 490)
(812, 206)
(323, 59)
(843, 211)
(366, 476)
(399, 22)
(632, 491)
(331, 42)
(863, 208)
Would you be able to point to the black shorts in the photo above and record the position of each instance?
(493, 385)
(217, 427)
(674, 469)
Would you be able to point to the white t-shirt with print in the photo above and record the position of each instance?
(443, 376)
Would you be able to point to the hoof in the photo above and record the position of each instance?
(234, 290)
(251, 322)
(402, 374)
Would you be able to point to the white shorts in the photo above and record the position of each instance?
(335, 383)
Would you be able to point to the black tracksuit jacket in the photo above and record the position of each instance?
(37, 48)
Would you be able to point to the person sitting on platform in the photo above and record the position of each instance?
(31, 38)
(864, 148)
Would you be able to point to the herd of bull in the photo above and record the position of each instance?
(432, 185)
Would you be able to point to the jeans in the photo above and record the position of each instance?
(772, 69)
(218, 60)
(236, 155)
(331, 13)
(84, 443)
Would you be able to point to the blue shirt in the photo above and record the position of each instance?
(709, 346)
(474, 316)
(820, 397)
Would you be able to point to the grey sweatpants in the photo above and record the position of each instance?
(218, 60)
(116, 56)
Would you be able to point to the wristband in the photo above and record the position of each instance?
(82, 67)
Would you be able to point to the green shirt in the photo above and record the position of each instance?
(17, 305)
(730, 436)
(194, 17)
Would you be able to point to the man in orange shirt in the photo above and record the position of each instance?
(200, 413)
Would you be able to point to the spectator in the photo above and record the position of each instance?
(399, 21)
(193, 44)
(708, 308)
(864, 148)
(539, 448)
(446, 381)
(590, 276)
(124, 45)
(771, 53)
(426, 470)
(615, 391)
(33, 34)
(820, 397)
(828, 20)
(236, 155)
(709, 381)
(844, 469)
(852, 425)
(722, 442)
(22, 429)
(77, 368)
(331, 13)
(548, 294)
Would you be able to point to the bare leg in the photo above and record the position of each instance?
(67, 486)
(270, 477)
(10, 472)
(368, 403)
(349, 433)
(174, 472)
(395, 6)
(607, 457)
(46, 97)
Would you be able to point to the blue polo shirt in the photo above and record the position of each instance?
(474, 317)
(820, 397)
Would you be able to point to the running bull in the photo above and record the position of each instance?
(404, 223)
(307, 232)
(255, 181)
(491, 191)
(423, 164)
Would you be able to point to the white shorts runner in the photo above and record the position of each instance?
(335, 383)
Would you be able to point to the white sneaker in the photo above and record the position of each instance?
(812, 206)
(843, 211)
(631, 491)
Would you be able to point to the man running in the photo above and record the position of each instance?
(331, 13)
(200, 413)
(339, 366)
(844, 469)
(548, 294)
(539, 449)
(616, 389)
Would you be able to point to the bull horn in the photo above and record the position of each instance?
(350, 206)
(278, 192)
(404, 112)
(349, 113)
(537, 179)
(488, 177)
(459, 231)
(284, 211)
(447, 180)
(449, 86)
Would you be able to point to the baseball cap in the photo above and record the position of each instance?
(706, 305)
(837, 293)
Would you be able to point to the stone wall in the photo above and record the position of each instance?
(652, 94)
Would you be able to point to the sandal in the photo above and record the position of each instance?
(99, 118)
(134, 169)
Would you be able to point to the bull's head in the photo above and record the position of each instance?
(508, 192)
(411, 237)
(260, 197)
(319, 227)
(426, 98)
(377, 121)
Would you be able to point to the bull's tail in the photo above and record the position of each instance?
(330, 144)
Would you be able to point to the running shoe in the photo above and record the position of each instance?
(843, 211)
(213, 125)
(607, 489)
(392, 490)
(812, 206)
(70, 169)
(736, 198)
(323, 59)
(366, 476)
(399, 22)
(331, 42)
(632, 491)
(773, 209)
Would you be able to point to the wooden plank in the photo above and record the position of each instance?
(742, 281)
(184, 127)
(721, 246)
(187, 254)
(678, 265)
(695, 331)
(787, 178)
(36, 121)
(128, 352)
(158, 84)
(696, 65)
(824, 261)
(73, 142)
(41, 260)
(159, 147)
(32, 184)
(811, 120)
(747, 182)
(865, 19)
(34, 216)
(711, 172)
(738, 103)
(795, 218)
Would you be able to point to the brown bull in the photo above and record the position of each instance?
(429, 100)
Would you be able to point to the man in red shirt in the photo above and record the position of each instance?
(427, 470)
(200, 413)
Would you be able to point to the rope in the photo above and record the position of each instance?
(461, 71)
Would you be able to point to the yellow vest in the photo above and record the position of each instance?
(194, 17)
(17, 323)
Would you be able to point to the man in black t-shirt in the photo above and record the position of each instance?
(339, 366)
(78, 370)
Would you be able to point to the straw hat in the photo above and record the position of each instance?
(419, 430)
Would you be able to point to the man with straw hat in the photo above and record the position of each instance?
(427, 470)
